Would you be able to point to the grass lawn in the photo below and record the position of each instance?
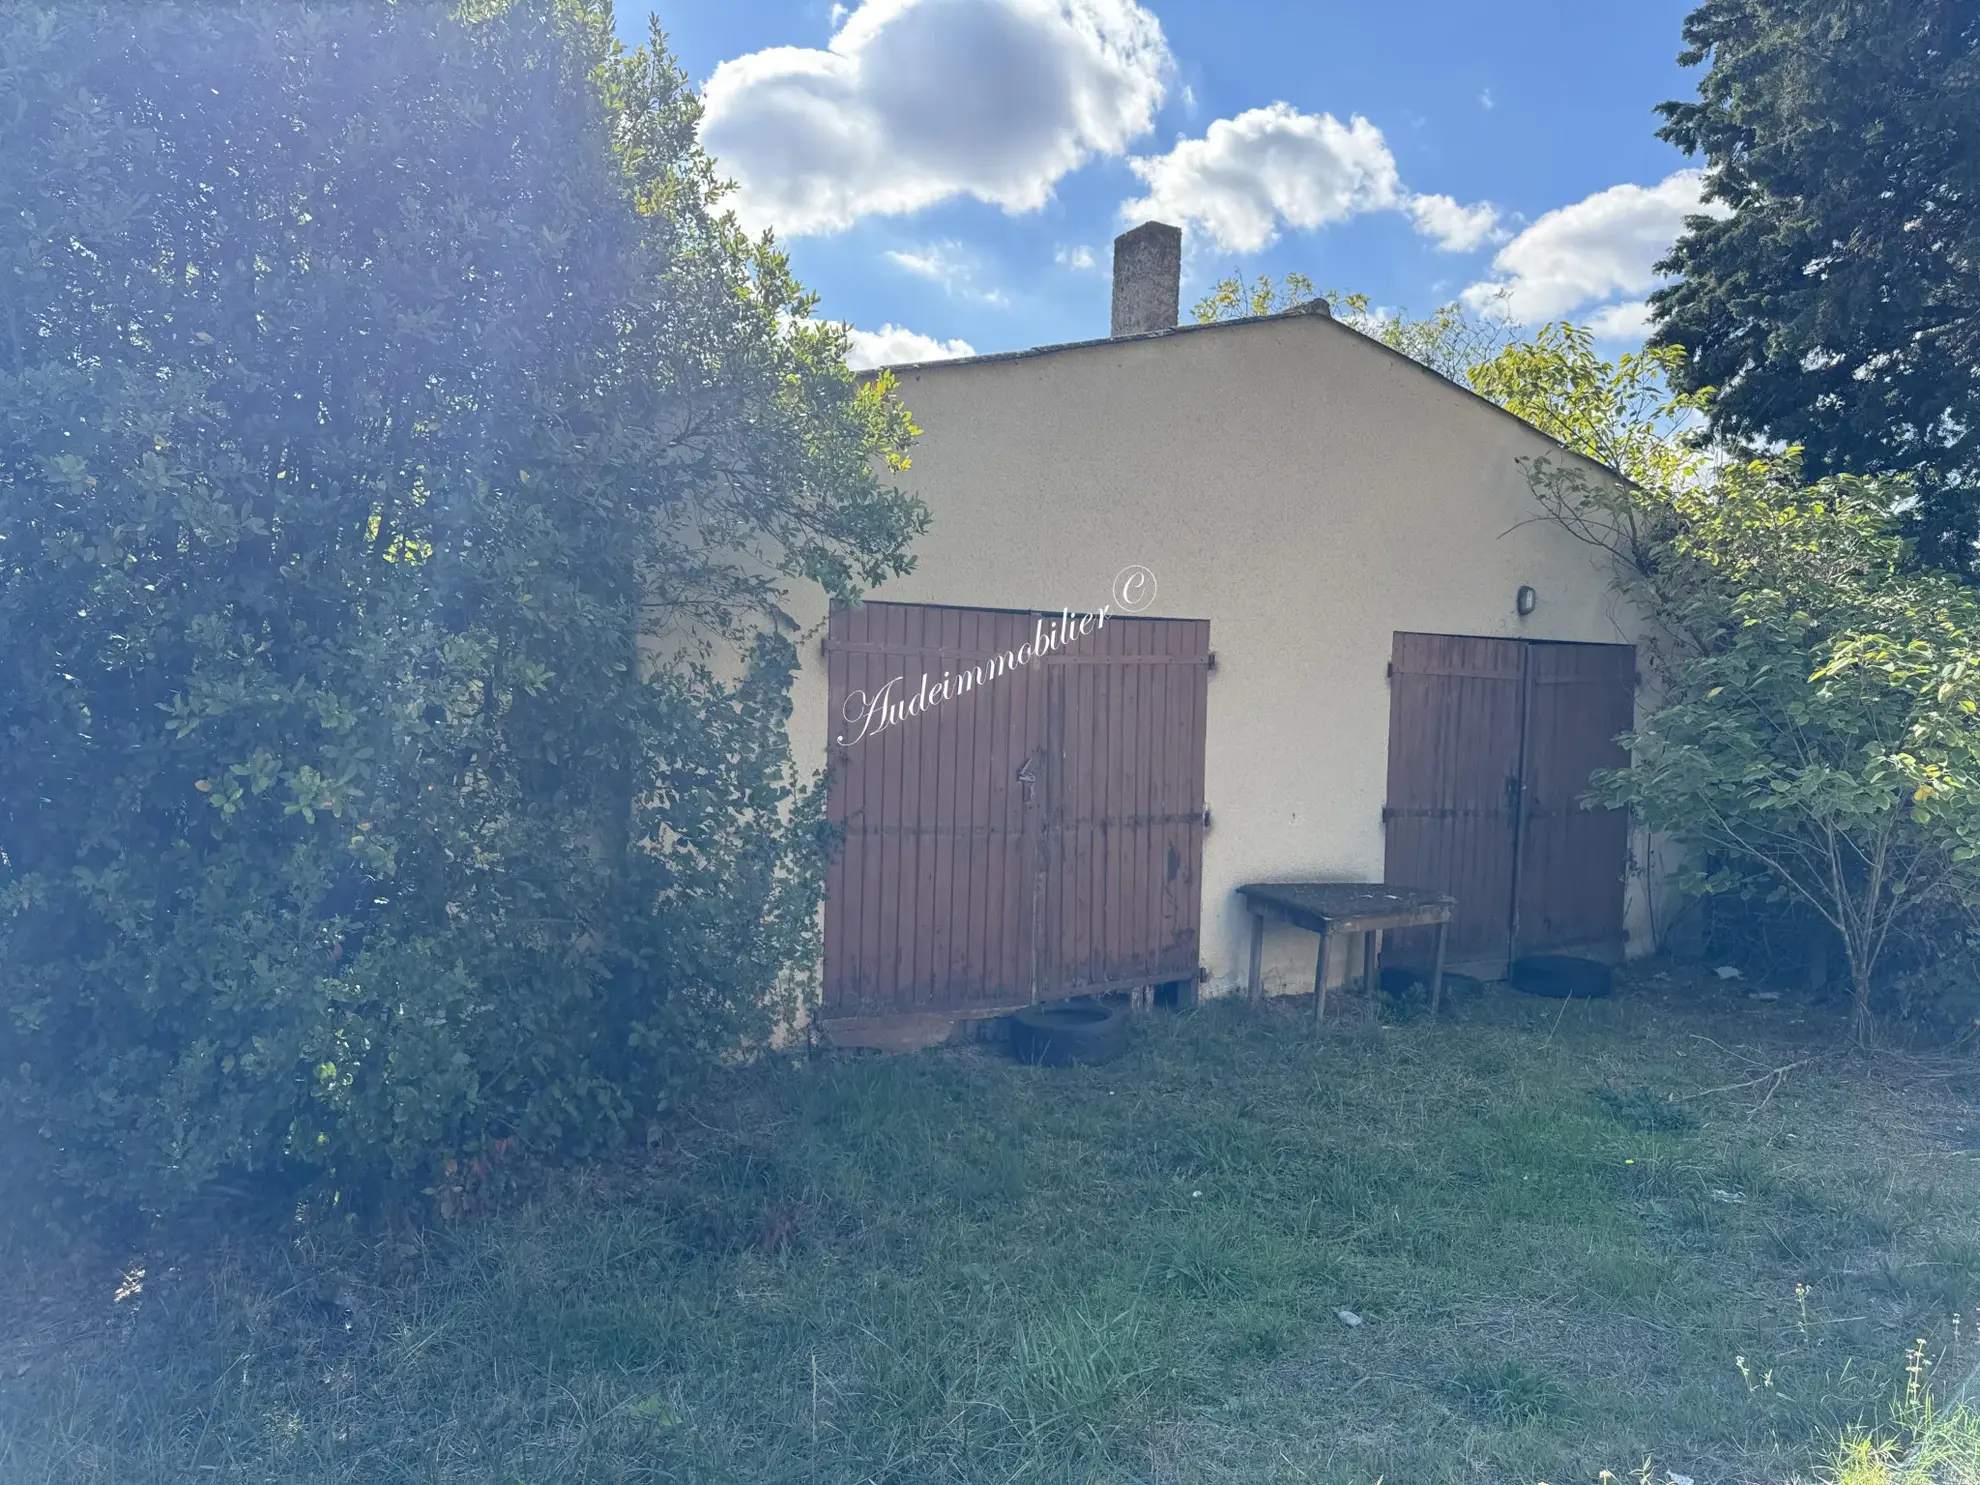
(949, 1267)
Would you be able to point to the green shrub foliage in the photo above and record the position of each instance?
(1812, 727)
(1809, 726)
(380, 387)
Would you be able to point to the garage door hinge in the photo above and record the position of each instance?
(1206, 819)
(1389, 670)
(1388, 813)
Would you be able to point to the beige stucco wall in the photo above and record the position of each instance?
(1305, 490)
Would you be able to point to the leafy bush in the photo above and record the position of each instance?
(383, 399)
(1810, 729)
(1813, 734)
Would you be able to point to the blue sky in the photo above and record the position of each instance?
(951, 173)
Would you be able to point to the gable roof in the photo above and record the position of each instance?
(988, 358)
(1316, 310)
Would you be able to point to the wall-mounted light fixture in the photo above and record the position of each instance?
(1524, 600)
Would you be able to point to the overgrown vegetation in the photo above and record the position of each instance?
(1811, 729)
(1924, 1443)
(376, 381)
(1563, 1228)
(1814, 735)
(1828, 297)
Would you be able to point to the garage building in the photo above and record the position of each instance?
(1204, 605)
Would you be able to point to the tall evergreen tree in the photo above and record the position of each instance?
(1836, 305)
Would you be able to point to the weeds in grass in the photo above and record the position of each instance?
(1923, 1444)
(1944, 1451)
(951, 1269)
(1765, 1382)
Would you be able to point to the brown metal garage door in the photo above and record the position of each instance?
(1037, 835)
(1491, 744)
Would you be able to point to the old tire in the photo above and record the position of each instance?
(1562, 976)
(1069, 1031)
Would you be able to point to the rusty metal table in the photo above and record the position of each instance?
(1345, 907)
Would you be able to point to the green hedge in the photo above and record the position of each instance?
(371, 380)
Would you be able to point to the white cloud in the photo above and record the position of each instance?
(937, 261)
(1455, 228)
(1268, 166)
(1629, 320)
(1600, 248)
(1485, 99)
(917, 101)
(949, 264)
(891, 345)
(1275, 167)
(1079, 257)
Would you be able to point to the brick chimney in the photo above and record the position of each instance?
(1147, 279)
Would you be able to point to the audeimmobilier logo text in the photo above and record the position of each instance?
(1133, 591)
(887, 706)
